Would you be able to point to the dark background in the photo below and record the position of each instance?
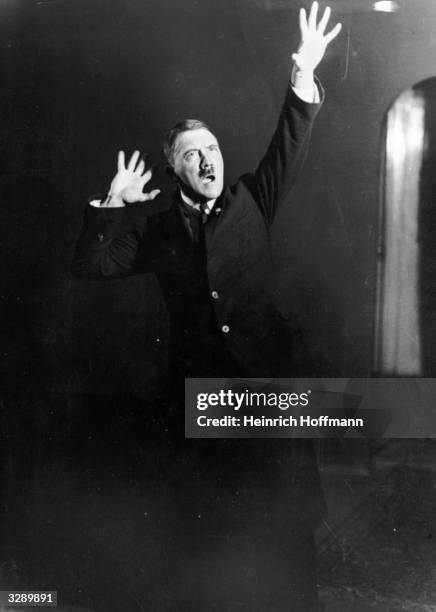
(81, 79)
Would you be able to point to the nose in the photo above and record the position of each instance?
(205, 159)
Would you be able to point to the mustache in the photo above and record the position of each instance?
(206, 171)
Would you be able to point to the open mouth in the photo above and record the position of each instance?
(207, 178)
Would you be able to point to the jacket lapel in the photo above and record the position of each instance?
(173, 228)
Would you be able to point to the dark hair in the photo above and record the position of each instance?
(179, 128)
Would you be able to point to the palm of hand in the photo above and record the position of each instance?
(311, 51)
(314, 40)
(128, 185)
(130, 180)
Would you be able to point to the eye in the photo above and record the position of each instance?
(189, 155)
(214, 147)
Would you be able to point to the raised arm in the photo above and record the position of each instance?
(280, 166)
(113, 241)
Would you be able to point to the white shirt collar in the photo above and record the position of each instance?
(209, 204)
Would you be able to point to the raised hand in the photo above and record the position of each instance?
(129, 182)
(314, 41)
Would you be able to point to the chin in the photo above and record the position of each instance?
(213, 192)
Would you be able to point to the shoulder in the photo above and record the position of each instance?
(239, 199)
(242, 188)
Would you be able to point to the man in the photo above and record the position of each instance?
(210, 253)
(210, 249)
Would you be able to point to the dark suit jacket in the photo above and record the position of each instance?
(229, 304)
(236, 289)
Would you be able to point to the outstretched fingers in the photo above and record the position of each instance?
(303, 22)
(121, 161)
(331, 35)
(140, 167)
(313, 38)
(133, 161)
(149, 196)
(324, 20)
(147, 176)
(313, 15)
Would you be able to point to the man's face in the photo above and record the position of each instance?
(199, 164)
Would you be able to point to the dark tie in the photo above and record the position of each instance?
(203, 208)
(195, 220)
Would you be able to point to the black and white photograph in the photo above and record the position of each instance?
(233, 197)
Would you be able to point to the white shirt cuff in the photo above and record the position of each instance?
(310, 95)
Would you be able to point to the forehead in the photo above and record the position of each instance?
(194, 139)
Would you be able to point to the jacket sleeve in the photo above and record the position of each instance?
(283, 160)
(113, 243)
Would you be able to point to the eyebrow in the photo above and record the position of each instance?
(212, 144)
(189, 151)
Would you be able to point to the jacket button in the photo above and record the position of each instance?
(100, 237)
(215, 295)
(225, 329)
